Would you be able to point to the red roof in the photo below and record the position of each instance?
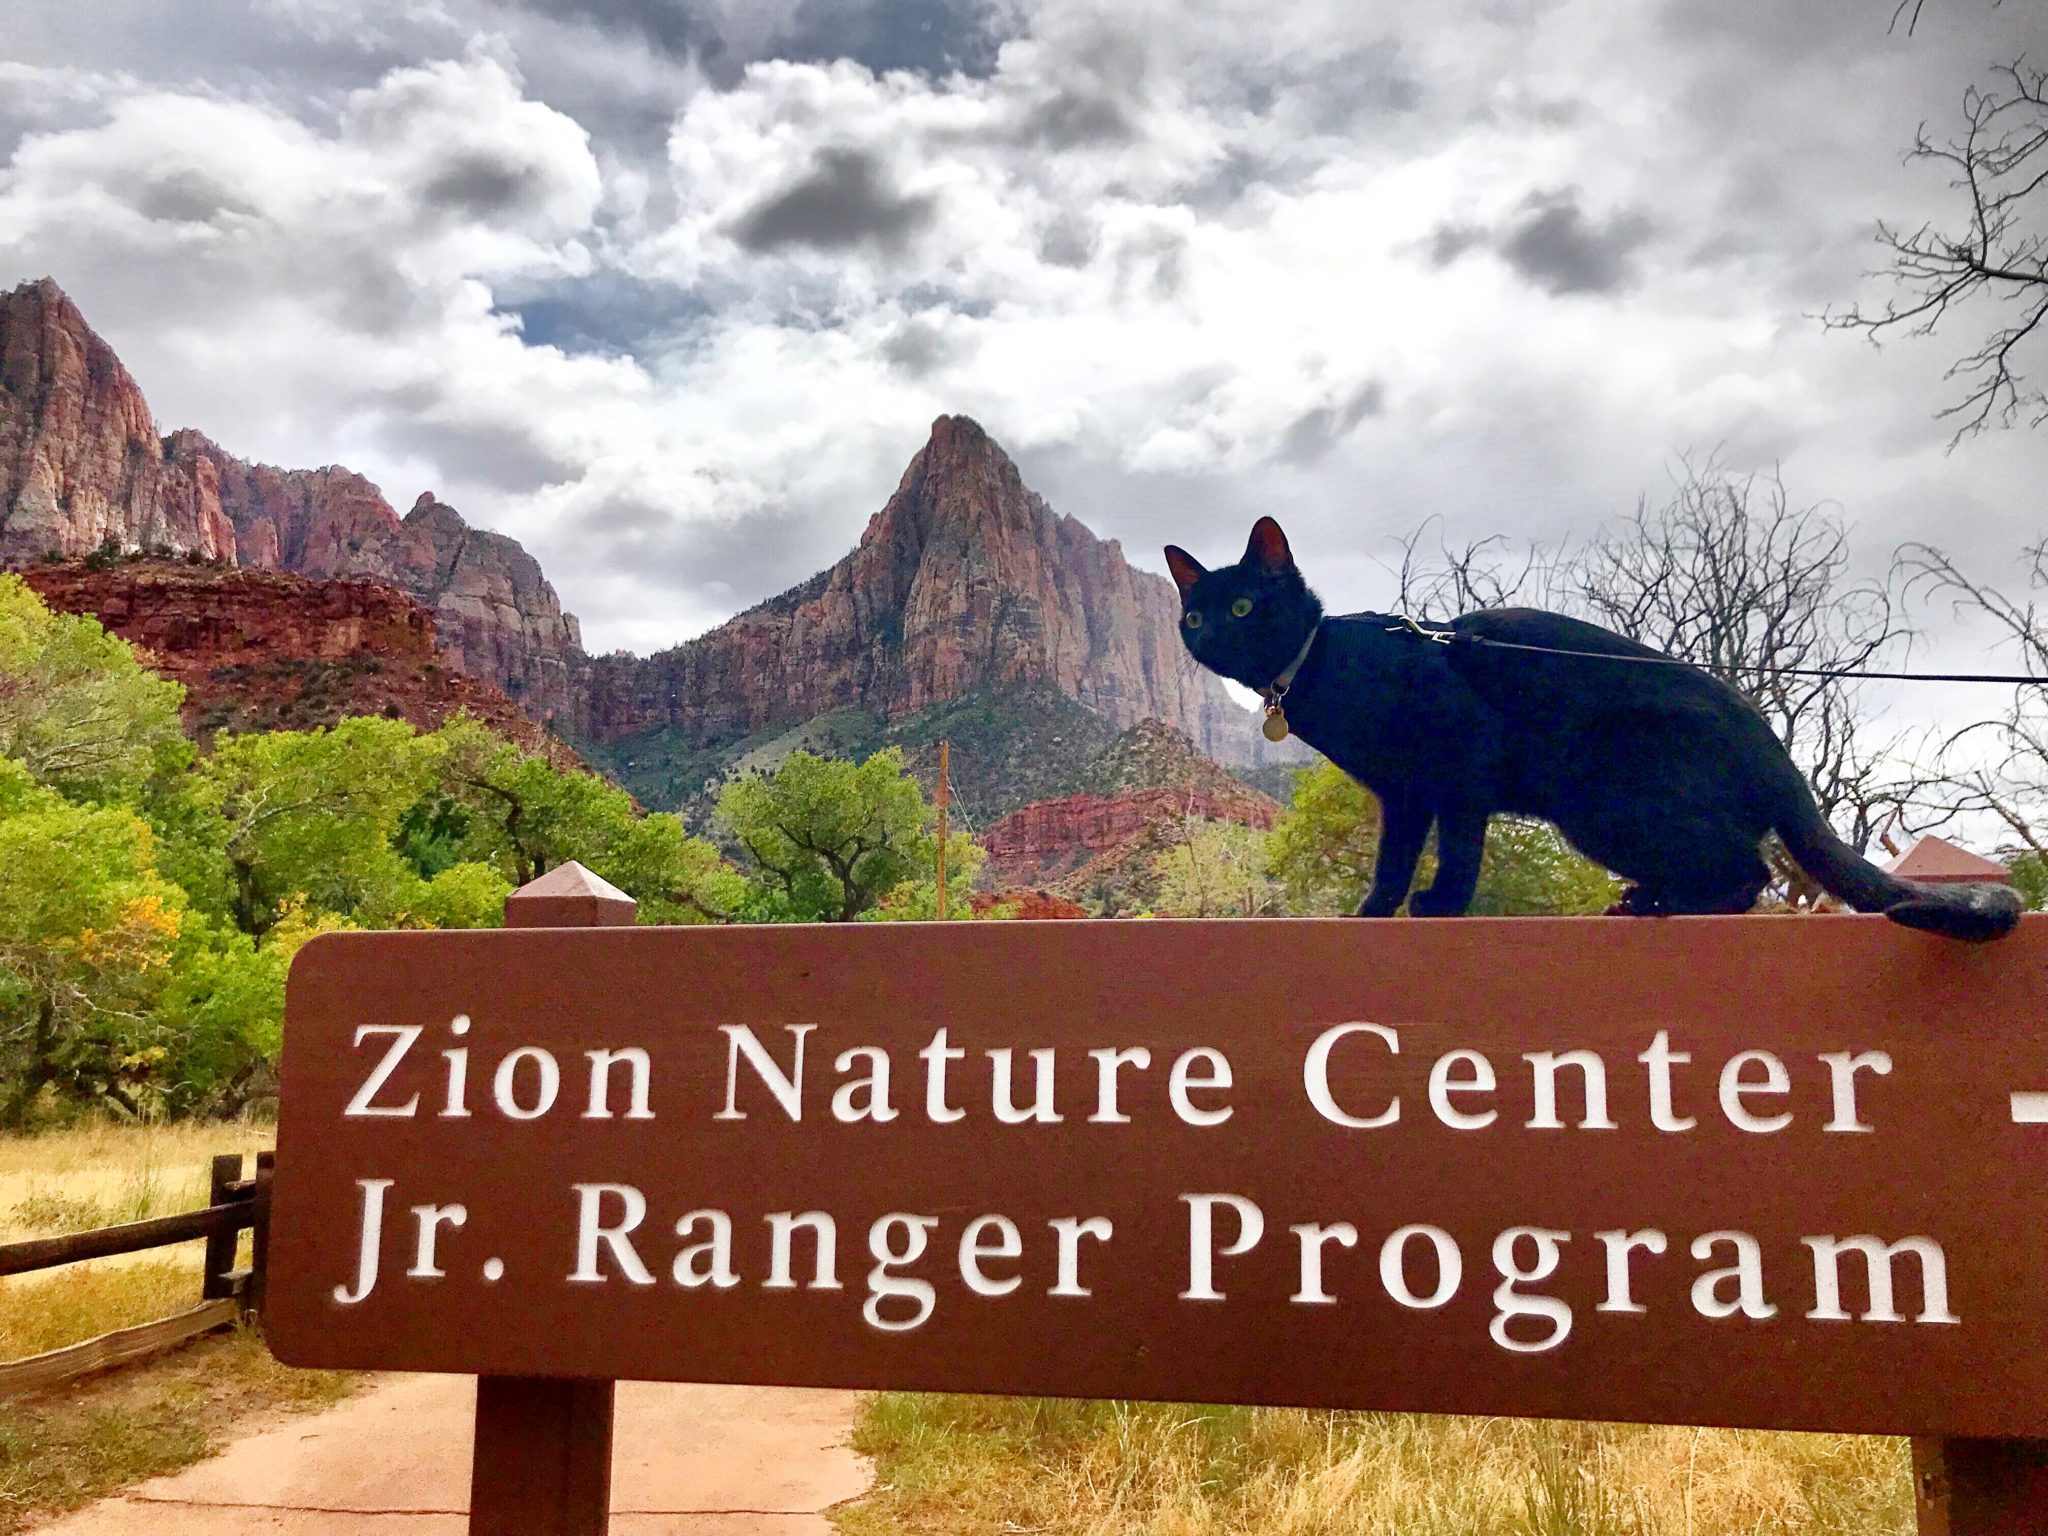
(1935, 861)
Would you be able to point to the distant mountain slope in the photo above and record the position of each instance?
(1140, 796)
(965, 580)
(969, 609)
(81, 463)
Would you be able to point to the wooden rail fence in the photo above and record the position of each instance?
(226, 1294)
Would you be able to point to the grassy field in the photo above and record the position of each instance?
(87, 1439)
(98, 1176)
(966, 1466)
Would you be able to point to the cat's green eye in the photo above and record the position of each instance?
(1241, 607)
(1193, 619)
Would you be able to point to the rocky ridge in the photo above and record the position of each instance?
(1087, 847)
(82, 466)
(1142, 794)
(269, 650)
(965, 586)
(965, 579)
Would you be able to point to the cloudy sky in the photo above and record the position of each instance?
(671, 289)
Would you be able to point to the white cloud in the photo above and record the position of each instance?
(1183, 260)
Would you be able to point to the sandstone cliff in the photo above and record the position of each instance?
(81, 464)
(267, 650)
(965, 586)
(965, 579)
(80, 461)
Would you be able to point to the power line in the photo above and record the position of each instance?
(1455, 637)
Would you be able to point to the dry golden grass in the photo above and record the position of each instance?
(90, 1438)
(100, 1175)
(970, 1465)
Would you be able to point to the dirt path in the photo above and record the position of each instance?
(394, 1460)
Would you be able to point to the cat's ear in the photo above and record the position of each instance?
(1187, 570)
(1268, 548)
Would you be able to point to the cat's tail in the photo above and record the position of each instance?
(1975, 913)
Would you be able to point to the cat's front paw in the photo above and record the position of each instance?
(1377, 905)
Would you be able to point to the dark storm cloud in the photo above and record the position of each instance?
(1331, 93)
(499, 458)
(265, 52)
(1452, 241)
(1152, 262)
(186, 197)
(844, 201)
(728, 564)
(1554, 244)
(1069, 241)
(1073, 119)
(920, 347)
(1560, 250)
(479, 184)
(674, 27)
(1315, 432)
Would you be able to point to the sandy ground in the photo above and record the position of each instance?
(394, 1459)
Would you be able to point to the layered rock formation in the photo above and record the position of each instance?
(1070, 846)
(80, 461)
(965, 584)
(267, 650)
(965, 579)
(81, 464)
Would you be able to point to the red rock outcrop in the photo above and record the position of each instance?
(268, 650)
(1068, 845)
(964, 578)
(1028, 906)
(81, 463)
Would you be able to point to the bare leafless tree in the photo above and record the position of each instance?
(1909, 11)
(1995, 258)
(1728, 573)
(1997, 766)
(1486, 573)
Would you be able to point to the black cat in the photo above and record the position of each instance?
(1664, 774)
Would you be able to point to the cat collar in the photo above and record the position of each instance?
(1275, 726)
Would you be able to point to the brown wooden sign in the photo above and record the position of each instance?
(1769, 1172)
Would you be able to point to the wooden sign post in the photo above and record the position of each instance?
(1764, 1172)
(542, 1465)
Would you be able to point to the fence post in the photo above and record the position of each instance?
(543, 1461)
(259, 1237)
(218, 1280)
(1968, 1487)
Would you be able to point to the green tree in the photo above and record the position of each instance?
(917, 900)
(499, 804)
(221, 1012)
(2030, 878)
(87, 932)
(676, 878)
(77, 709)
(829, 839)
(520, 812)
(1322, 850)
(1220, 869)
(312, 815)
